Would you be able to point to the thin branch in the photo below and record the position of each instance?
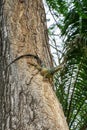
(69, 111)
(76, 113)
(69, 90)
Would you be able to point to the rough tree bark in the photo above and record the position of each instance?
(27, 102)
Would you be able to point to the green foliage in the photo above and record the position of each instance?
(74, 84)
(71, 82)
(58, 5)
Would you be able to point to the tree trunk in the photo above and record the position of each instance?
(27, 101)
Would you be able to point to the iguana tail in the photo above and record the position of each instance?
(27, 56)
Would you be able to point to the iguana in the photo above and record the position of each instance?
(44, 71)
(48, 72)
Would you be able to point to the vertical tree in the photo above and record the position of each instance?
(27, 102)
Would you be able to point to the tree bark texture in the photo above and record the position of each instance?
(27, 102)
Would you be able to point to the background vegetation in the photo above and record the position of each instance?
(70, 18)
